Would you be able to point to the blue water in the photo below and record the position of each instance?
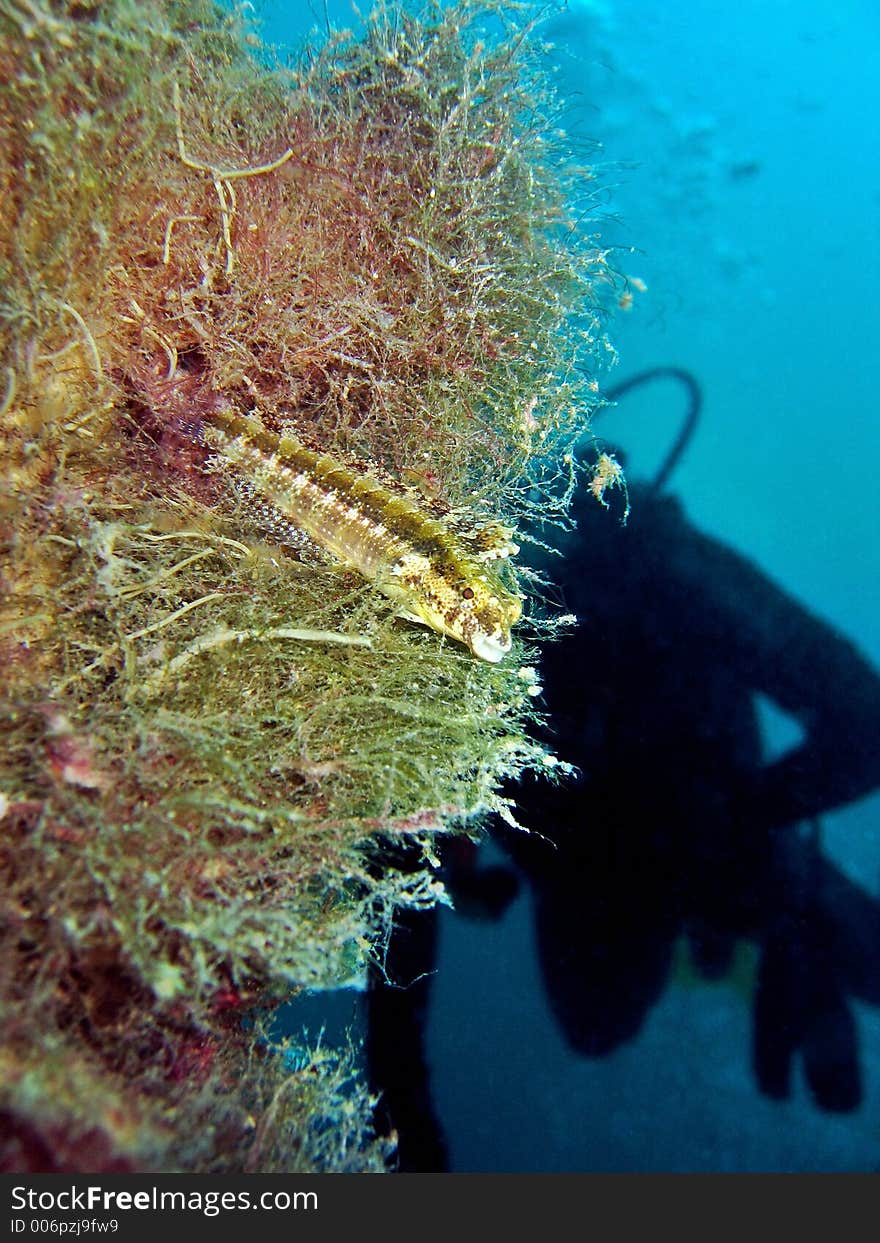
(741, 152)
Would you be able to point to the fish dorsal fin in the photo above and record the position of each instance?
(484, 541)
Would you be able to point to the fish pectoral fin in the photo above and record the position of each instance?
(406, 615)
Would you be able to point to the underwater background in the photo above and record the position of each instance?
(740, 178)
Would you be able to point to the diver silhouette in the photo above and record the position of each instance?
(676, 825)
(398, 997)
(397, 1004)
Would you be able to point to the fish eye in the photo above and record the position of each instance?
(468, 593)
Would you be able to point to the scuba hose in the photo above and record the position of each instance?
(689, 423)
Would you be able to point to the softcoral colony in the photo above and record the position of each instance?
(208, 730)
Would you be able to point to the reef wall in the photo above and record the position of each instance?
(210, 733)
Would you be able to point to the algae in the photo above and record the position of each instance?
(209, 732)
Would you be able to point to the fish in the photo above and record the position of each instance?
(436, 573)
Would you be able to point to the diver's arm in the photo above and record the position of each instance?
(805, 666)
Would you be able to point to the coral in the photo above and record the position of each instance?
(208, 732)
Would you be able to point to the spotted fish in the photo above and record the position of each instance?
(437, 575)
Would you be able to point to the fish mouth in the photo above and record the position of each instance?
(490, 647)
